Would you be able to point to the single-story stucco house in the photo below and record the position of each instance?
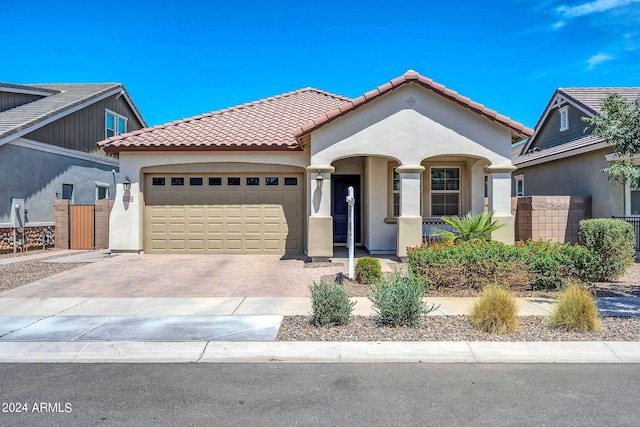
(270, 176)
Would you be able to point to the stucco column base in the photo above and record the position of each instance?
(320, 237)
(409, 233)
(506, 234)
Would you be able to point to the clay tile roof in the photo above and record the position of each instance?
(518, 130)
(265, 124)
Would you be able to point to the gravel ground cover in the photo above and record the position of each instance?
(20, 273)
(452, 328)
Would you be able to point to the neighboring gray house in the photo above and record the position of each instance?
(48, 136)
(563, 158)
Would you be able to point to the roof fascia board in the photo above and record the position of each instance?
(562, 155)
(557, 100)
(58, 116)
(134, 108)
(54, 149)
(25, 91)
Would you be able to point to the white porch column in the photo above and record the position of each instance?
(500, 201)
(320, 233)
(410, 219)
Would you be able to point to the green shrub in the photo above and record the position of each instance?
(575, 310)
(330, 304)
(472, 226)
(528, 264)
(495, 311)
(613, 241)
(368, 270)
(398, 300)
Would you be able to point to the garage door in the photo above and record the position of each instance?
(224, 213)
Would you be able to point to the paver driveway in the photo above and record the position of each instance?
(180, 276)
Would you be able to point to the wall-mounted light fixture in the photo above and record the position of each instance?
(57, 195)
(126, 184)
(319, 181)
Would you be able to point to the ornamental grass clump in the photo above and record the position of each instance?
(330, 304)
(495, 311)
(398, 300)
(576, 310)
(368, 270)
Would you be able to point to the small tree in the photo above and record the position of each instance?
(619, 125)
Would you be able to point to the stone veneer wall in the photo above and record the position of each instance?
(554, 218)
(33, 238)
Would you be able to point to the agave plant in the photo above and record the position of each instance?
(472, 226)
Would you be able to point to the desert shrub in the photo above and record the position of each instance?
(368, 270)
(398, 300)
(522, 265)
(613, 241)
(472, 226)
(495, 311)
(575, 310)
(330, 304)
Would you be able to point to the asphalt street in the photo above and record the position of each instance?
(280, 394)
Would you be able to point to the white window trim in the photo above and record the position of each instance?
(115, 122)
(627, 201)
(392, 192)
(564, 118)
(519, 178)
(458, 191)
(100, 185)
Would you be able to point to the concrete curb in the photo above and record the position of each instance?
(320, 352)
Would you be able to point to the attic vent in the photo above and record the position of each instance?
(564, 118)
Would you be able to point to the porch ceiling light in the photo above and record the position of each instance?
(126, 184)
(319, 181)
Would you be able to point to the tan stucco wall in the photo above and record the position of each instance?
(576, 176)
(432, 126)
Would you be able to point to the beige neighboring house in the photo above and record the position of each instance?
(563, 158)
(271, 176)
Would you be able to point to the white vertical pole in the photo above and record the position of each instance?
(351, 230)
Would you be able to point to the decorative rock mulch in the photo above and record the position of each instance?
(452, 328)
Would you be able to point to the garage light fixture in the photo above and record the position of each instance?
(126, 184)
(319, 181)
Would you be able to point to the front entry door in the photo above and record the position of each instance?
(340, 184)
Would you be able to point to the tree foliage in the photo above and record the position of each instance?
(619, 126)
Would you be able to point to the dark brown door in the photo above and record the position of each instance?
(339, 211)
(81, 227)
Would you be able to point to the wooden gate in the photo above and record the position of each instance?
(81, 226)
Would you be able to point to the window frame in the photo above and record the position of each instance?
(519, 179)
(564, 118)
(433, 192)
(116, 117)
(104, 185)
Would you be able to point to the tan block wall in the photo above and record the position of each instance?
(103, 209)
(61, 220)
(33, 238)
(554, 218)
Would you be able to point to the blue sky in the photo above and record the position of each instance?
(182, 58)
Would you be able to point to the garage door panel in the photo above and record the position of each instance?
(273, 198)
(233, 212)
(224, 218)
(233, 228)
(253, 212)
